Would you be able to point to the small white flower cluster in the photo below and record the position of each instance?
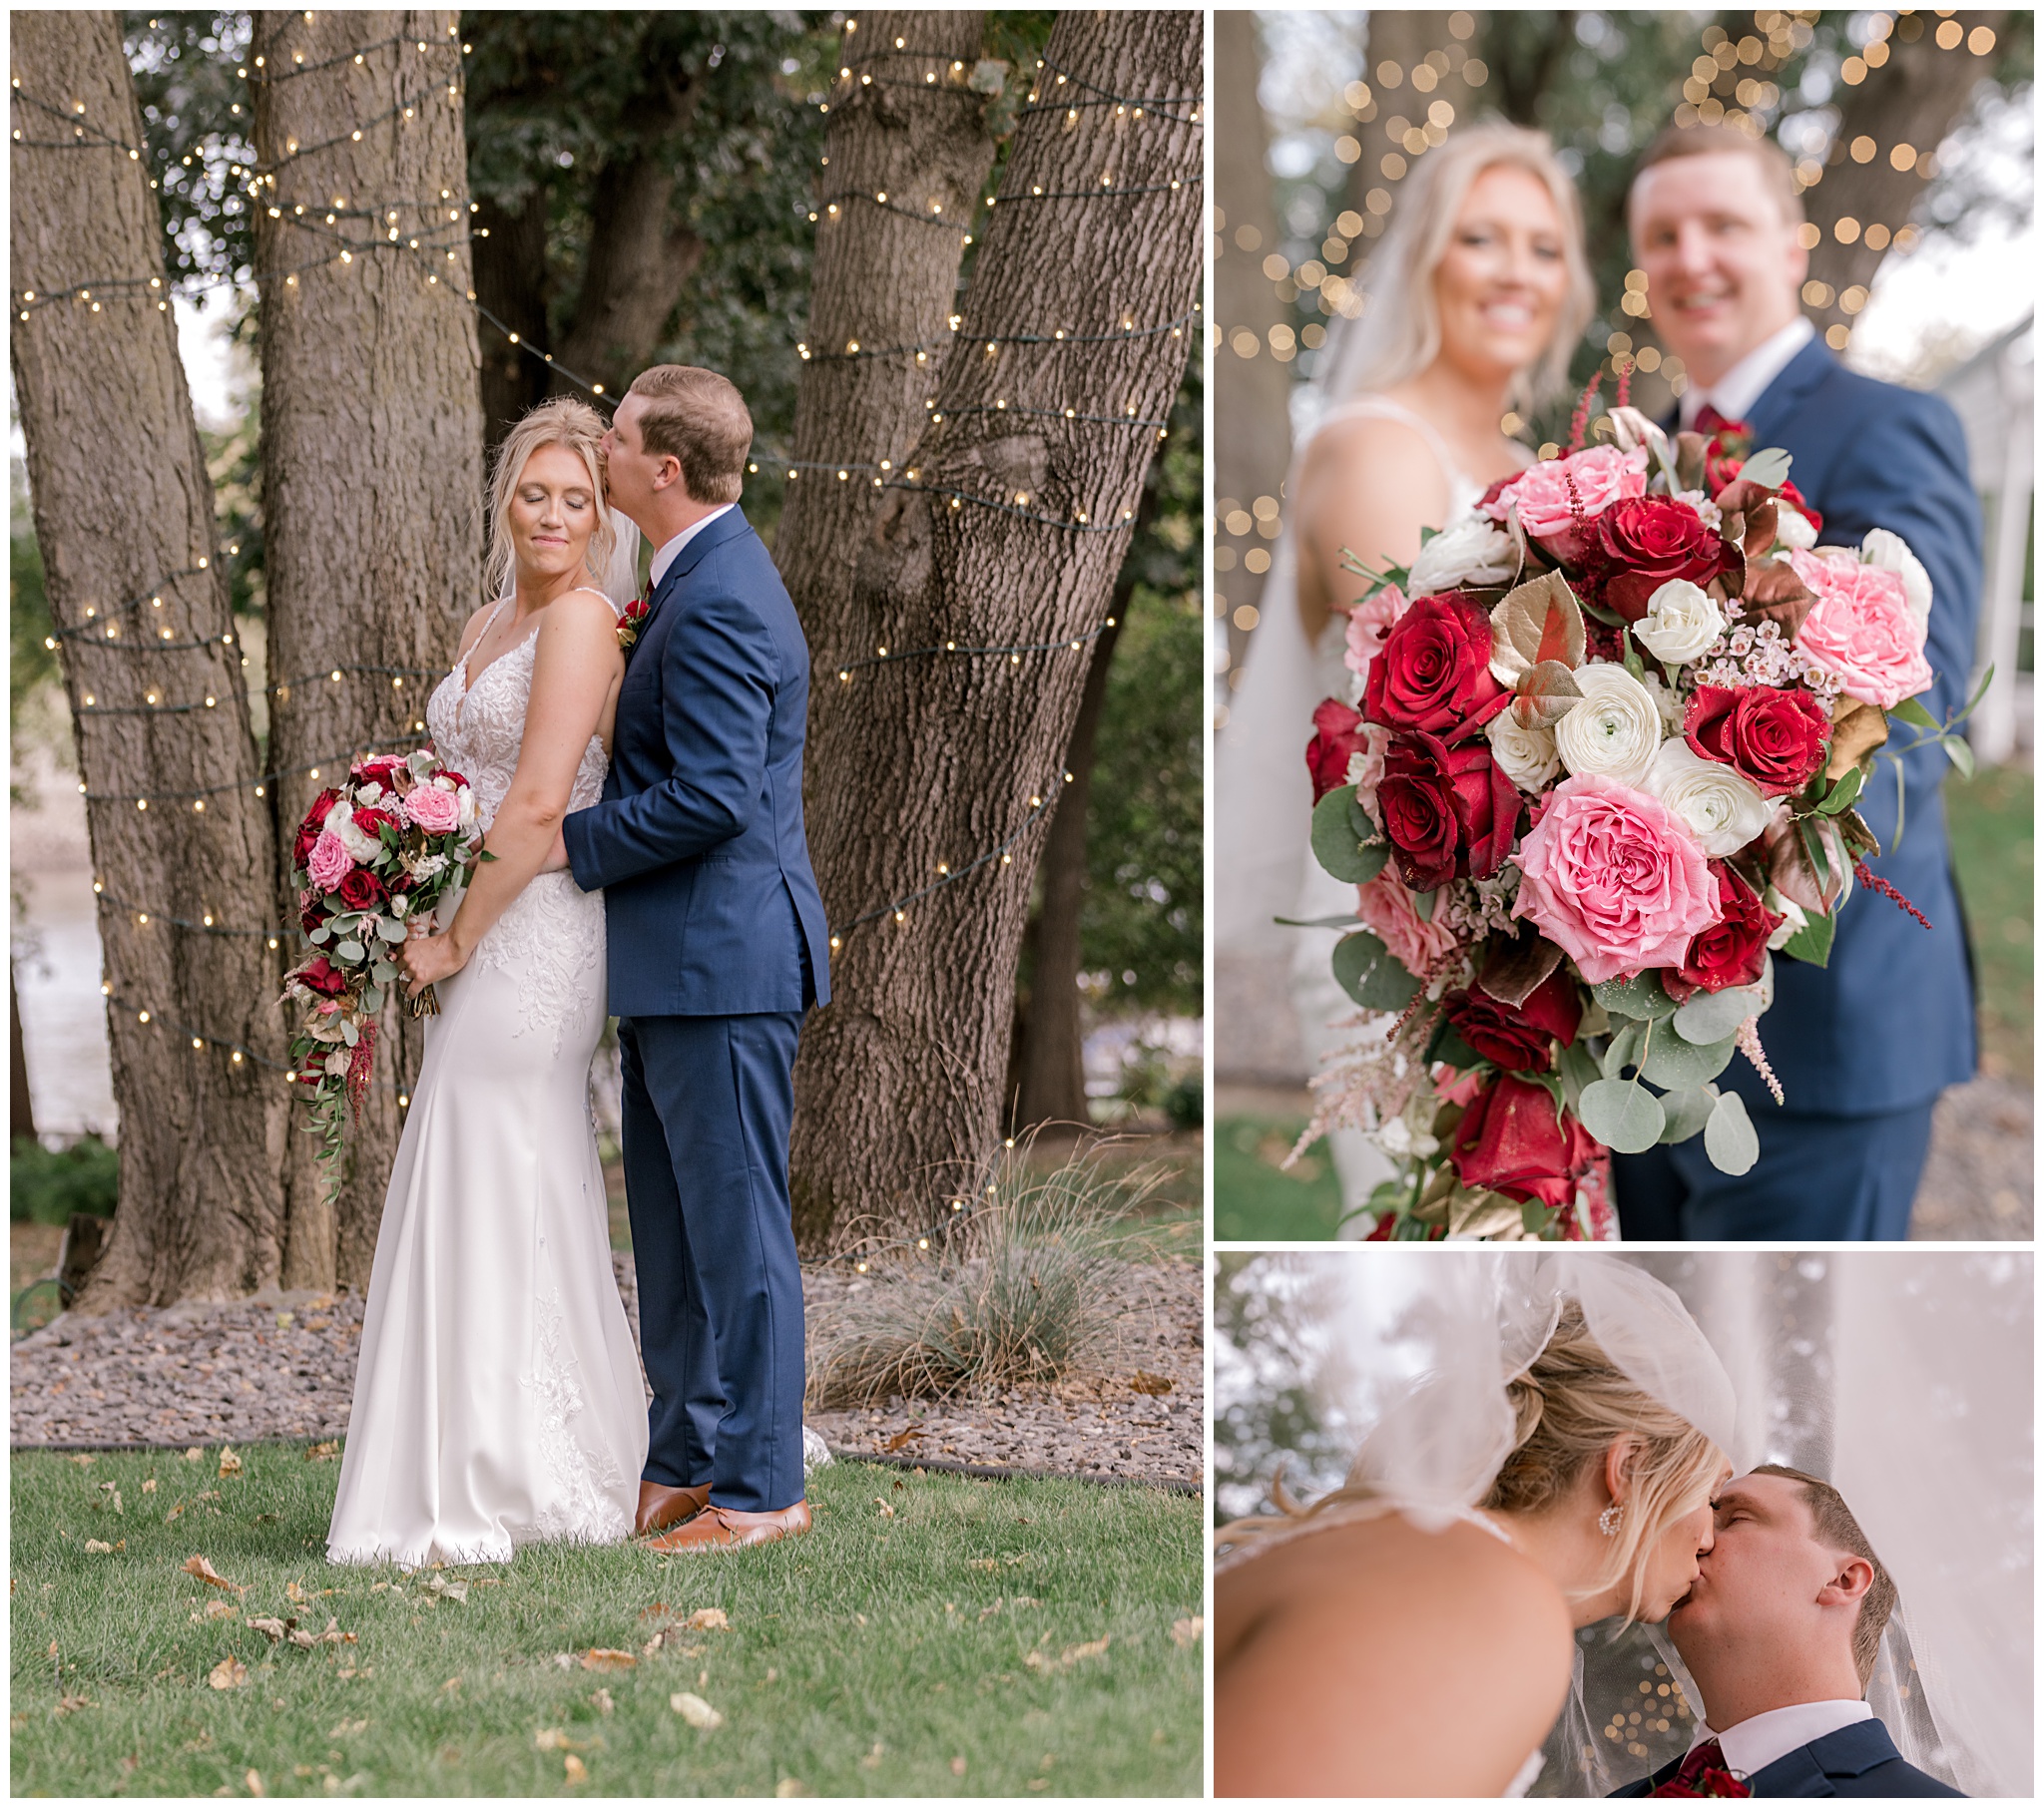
(1707, 511)
(1758, 654)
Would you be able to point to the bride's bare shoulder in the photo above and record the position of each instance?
(1380, 1613)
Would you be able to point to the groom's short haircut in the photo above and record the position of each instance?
(1700, 139)
(700, 418)
(1834, 1524)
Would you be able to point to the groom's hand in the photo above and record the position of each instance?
(557, 855)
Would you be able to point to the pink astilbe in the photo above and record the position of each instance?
(1750, 1046)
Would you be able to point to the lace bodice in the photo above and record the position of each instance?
(552, 934)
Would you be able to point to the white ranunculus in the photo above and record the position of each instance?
(1613, 730)
(1526, 756)
(1681, 622)
(340, 824)
(1793, 916)
(1791, 527)
(370, 795)
(1719, 805)
(1705, 510)
(1890, 552)
(1469, 551)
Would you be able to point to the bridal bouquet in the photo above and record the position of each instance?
(371, 856)
(1611, 729)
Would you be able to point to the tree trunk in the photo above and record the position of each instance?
(1416, 67)
(20, 1105)
(881, 277)
(1008, 530)
(1908, 105)
(1051, 1083)
(372, 458)
(124, 515)
(1252, 340)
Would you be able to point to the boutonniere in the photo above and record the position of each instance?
(1711, 1781)
(630, 623)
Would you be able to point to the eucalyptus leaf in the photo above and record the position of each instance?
(390, 929)
(1687, 1111)
(372, 999)
(1360, 819)
(1578, 1069)
(1422, 905)
(321, 936)
(1337, 845)
(1365, 969)
(381, 973)
(1671, 1063)
(1711, 1015)
(1640, 997)
(1344, 921)
(1623, 1116)
(1623, 1048)
(1730, 1138)
(349, 1034)
(1769, 468)
(351, 952)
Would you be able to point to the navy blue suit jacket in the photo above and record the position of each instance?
(1860, 1759)
(1890, 1022)
(709, 903)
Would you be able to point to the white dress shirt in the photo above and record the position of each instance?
(1758, 1740)
(1735, 393)
(671, 550)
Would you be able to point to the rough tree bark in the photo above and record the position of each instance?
(20, 1105)
(124, 516)
(1903, 108)
(883, 276)
(1075, 332)
(371, 457)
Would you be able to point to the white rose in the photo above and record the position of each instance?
(1793, 916)
(431, 867)
(340, 824)
(1681, 622)
(1525, 755)
(399, 904)
(1614, 730)
(1469, 551)
(1791, 527)
(370, 795)
(1891, 553)
(467, 815)
(1721, 807)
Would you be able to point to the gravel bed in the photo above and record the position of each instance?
(1979, 1182)
(281, 1365)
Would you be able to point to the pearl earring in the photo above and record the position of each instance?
(1609, 1521)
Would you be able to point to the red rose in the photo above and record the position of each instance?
(1775, 737)
(1644, 542)
(453, 777)
(302, 848)
(362, 889)
(1513, 1139)
(321, 976)
(1733, 950)
(1338, 733)
(376, 772)
(1448, 813)
(311, 911)
(1519, 1038)
(1433, 672)
(1796, 499)
(374, 822)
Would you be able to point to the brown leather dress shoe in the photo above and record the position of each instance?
(660, 1505)
(724, 1528)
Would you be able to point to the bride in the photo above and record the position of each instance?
(1553, 1466)
(1477, 298)
(499, 1398)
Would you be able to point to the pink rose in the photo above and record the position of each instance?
(1385, 907)
(1603, 475)
(1369, 623)
(330, 862)
(1863, 629)
(1366, 769)
(1614, 878)
(432, 809)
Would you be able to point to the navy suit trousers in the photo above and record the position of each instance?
(707, 1103)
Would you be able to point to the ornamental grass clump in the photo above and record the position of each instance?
(1014, 1286)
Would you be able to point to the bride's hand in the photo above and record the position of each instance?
(429, 958)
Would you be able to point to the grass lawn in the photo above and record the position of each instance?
(983, 1638)
(1257, 1202)
(1995, 852)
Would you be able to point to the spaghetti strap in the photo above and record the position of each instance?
(1381, 407)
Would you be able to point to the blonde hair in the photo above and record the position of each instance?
(1571, 1404)
(563, 421)
(699, 418)
(1401, 334)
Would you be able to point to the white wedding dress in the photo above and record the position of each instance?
(499, 1399)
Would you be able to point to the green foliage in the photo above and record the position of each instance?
(862, 1660)
(1142, 923)
(1256, 1200)
(1266, 1413)
(44, 1187)
(30, 662)
(1993, 841)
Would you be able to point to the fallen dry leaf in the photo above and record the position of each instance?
(1078, 1654)
(254, 1780)
(72, 1703)
(195, 1454)
(198, 1568)
(1143, 1382)
(437, 1583)
(957, 1767)
(271, 1629)
(1186, 1631)
(707, 1619)
(901, 1438)
(872, 1761)
(452, 1684)
(149, 1485)
(602, 1701)
(217, 1609)
(174, 1512)
(292, 1591)
(697, 1711)
(601, 1658)
(97, 1548)
(229, 1672)
(577, 1771)
(886, 1511)
(230, 1464)
(348, 1728)
(322, 1453)
(552, 1738)
(792, 1786)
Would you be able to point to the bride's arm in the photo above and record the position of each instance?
(576, 664)
(1368, 486)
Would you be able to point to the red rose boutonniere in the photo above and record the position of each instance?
(1707, 1782)
(631, 621)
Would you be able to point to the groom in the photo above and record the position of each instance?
(717, 944)
(1779, 1634)
(1864, 1045)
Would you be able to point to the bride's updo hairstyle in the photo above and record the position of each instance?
(1571, 1405)
(563, 421)
(1399, 334)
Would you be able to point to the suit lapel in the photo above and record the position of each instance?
(1802, 373)
(1796, 1773)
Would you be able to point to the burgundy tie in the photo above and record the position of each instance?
(1710, 421)
(1710, 1755)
